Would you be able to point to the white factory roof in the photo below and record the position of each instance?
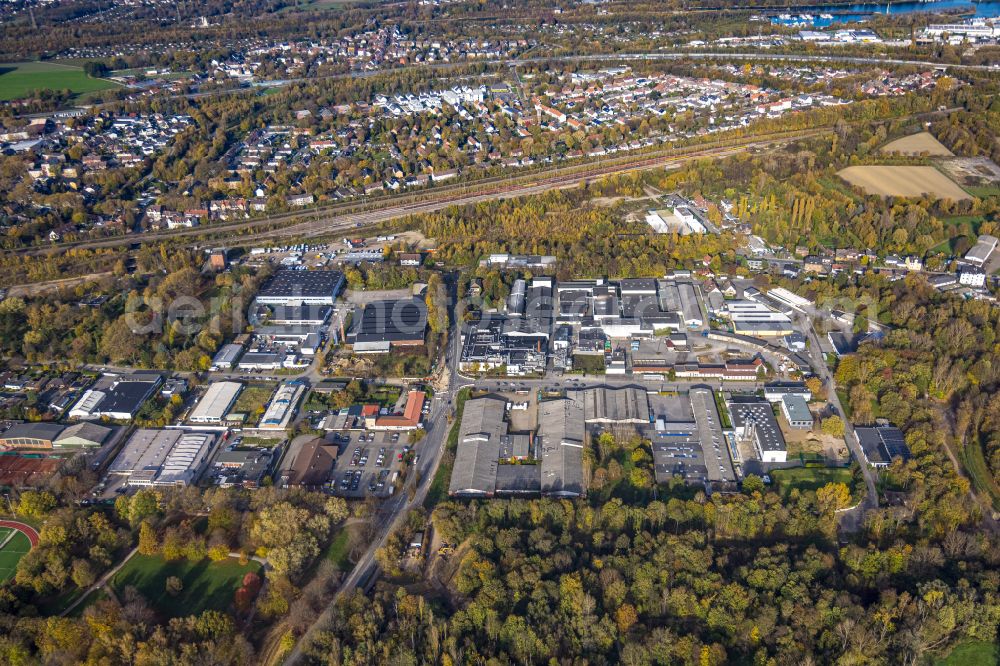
(218, 399)
(282, 405)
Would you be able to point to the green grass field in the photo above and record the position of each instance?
(12, 551)
(972, 653)
(20, 78)
(207, 585)
(975, 464)
(340, 549)
(810, 478)
(251, 399)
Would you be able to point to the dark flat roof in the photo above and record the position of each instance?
(519, 479)
(392, 321)
(44, 431)
(307, 284)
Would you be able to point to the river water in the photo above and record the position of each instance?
(860, 11)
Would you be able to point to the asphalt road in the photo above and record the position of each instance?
(393, 511)
(850, 520)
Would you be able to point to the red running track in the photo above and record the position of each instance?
(25, 529)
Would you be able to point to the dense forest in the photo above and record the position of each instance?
(742, 579)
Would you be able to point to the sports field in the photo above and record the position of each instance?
(903, 181)
(20, 78)
(13, 545)
(918, 144)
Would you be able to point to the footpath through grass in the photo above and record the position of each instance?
(19, 79)
(208, 585)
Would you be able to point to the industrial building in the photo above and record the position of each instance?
(560, 443)
(518, 345)
(881, 444)
(718, 463)
(796, 411)
(483, 425)
(292, 315)
(281, 409)
(116, 397)
(30, 435)
(83, 435)
(775, 391)
(606, 405)
(242, 467)
(292, 287)
(387, 324)
(216, 403)
(756, 319)
(688, 441)
(982, 250)
(754, 423)
(227, 356)
(163, 457)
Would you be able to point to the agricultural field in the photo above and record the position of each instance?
(13, 546)
(17, 80)
(207, 585)
(903, 181)
(922, 143)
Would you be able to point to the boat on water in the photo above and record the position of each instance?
(826, 17)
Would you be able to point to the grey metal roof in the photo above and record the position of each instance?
(82, 433)
(479, 438)
(41, 431)
(615, 405)
(518, 479)
(560, 445)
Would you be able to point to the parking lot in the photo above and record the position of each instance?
(367, 462)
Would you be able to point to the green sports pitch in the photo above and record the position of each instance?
(18, 79)
(13, 546)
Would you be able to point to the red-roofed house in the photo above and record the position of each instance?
(411, 417)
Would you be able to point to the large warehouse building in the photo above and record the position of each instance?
(216, 403)
(479, 435)
(163, 457)
(116, 397)
(982, 250)
(387, 324)
(302, 288)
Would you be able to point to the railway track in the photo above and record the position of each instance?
(343, 217)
